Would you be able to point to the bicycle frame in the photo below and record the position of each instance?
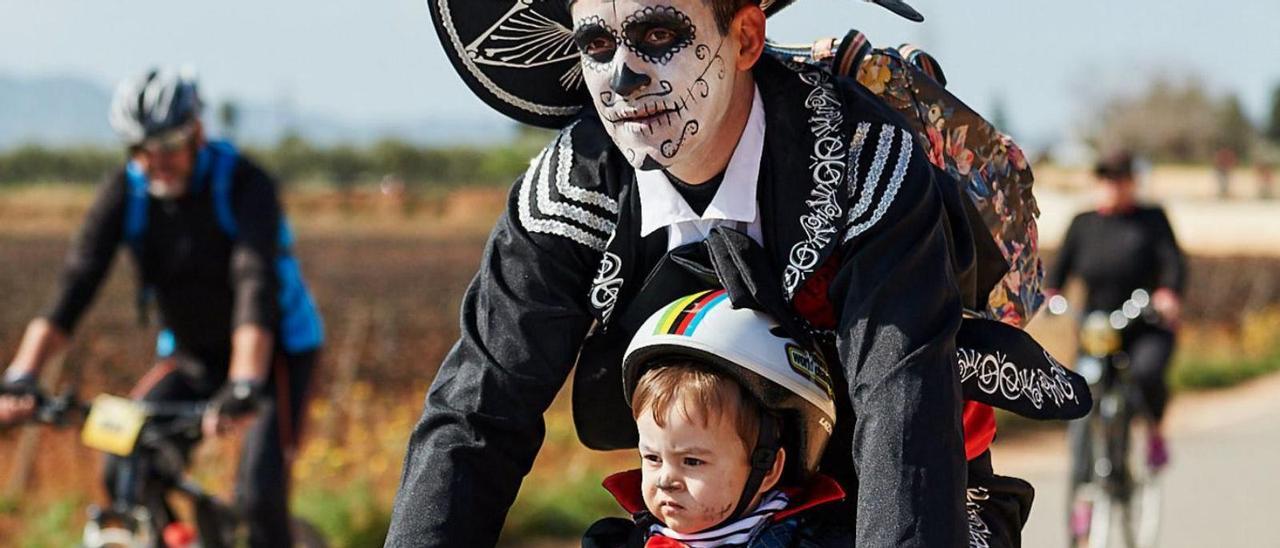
(1102, 476)
(155, 469)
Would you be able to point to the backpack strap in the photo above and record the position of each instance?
(135, 225)
(223, 164)
(135, 207)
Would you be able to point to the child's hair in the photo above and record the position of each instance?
(699, 393)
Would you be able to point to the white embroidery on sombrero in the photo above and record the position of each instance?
(523, 38)
(446, 20)
(572, 78)
(890, 191)
(556, 214)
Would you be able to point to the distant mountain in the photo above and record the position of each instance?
(53, 111)
(67, 110)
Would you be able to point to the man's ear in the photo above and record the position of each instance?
(775, 474)
(748, 26)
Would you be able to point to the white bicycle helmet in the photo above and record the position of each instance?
(154, 104)
(792, 382)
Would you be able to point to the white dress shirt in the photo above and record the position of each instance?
(734, 204)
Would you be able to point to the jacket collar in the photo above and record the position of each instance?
(821, 489)
(806, 163)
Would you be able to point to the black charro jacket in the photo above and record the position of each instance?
(865, 241)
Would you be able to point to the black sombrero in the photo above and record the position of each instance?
(519, 57)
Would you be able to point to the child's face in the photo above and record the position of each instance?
(693, 473)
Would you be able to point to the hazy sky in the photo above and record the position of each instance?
(375, 61)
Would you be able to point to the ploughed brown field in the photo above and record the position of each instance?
(389, 289)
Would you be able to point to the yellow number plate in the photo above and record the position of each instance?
(113, 425)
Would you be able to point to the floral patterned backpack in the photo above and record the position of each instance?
(989, 166)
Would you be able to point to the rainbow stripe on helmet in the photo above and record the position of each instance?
(683, 316)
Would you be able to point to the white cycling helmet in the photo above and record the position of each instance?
(154, 103)
(790, 381)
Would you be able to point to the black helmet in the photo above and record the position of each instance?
(153, 104)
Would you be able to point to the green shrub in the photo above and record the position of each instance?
(350, 516)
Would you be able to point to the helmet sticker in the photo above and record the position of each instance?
(684, 315)
(810, 366)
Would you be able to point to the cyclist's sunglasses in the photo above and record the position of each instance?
(172, 141)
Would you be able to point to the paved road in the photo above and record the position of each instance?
(1222, 489)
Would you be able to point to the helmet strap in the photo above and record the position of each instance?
(762, 459)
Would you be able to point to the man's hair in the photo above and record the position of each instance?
(724, 10)
(1115, 166)
(699, 393)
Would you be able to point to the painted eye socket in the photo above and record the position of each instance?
(595, 40)
(657, 33)
(659, 37)
(600, 48)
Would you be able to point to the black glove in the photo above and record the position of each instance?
(238, 398)
(20, 385)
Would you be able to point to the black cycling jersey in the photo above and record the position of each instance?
(1117, 253)
(204, 283)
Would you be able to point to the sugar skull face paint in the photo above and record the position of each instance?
(658, 75)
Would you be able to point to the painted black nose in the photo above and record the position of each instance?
(626, 81)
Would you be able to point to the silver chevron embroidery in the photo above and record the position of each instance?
(890, 191)
(563, 166)
(535, 191)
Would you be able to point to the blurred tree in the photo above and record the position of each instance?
(229, 118)
(1273, 120)
(293, 158)
(393, 157)
(1170, 120)
(344, 165)
(999, 115)
(34, 163)
(1235, 132)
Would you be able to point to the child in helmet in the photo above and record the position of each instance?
(733, 416)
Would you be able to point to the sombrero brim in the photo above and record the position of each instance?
(518, 56)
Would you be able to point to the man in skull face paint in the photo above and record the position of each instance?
(696, 135)
(657, 82)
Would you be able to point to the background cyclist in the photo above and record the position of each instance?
(206, 230)
(1118, 247)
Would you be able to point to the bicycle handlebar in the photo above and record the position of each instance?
(1137, 306)
(58, 410)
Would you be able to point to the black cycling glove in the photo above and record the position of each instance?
(238, 398)
(20, 385)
